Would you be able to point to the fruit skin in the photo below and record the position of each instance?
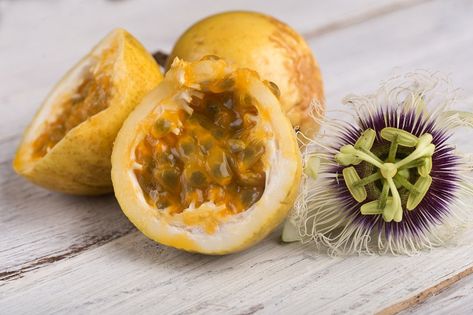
(262, 43)
(240, 231)
(80, 163)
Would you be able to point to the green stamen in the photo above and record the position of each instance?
(371, 208)
(351, 177)
(422, 184)
(402, 137)
(426, 167)
(366, 140)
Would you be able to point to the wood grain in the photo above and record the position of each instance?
(117, 270)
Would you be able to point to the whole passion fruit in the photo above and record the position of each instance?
(68, 145)
(207, 162)
(268, 46)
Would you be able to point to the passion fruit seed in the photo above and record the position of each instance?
(273, 87)
(195, 177)
(250, 155)
(161, 128)
(236, 145)
(214, 157)
(395, 172)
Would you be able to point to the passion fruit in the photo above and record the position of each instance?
(208, 162)
(68, 145)
(268, 46)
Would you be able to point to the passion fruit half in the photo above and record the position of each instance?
(68, 145)
(207, 162)
(268, 46)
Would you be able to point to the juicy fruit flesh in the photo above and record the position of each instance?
(89, 98)
(212, 155)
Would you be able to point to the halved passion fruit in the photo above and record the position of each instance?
(68, 145)
(207, 162)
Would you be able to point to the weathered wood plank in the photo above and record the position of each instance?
(39, 41)
(134, 274)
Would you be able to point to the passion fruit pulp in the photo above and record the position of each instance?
(207, 162)
(268, 46)
(68, 145)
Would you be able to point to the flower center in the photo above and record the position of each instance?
(393, 170)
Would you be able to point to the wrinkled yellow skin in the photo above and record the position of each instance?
(80, 162)
(231, 236)
(262, 43)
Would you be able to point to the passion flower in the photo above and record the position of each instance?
(268, 46)
(389, 181)
(68, 145)
(207, 162)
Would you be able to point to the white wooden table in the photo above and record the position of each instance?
(63, 254)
